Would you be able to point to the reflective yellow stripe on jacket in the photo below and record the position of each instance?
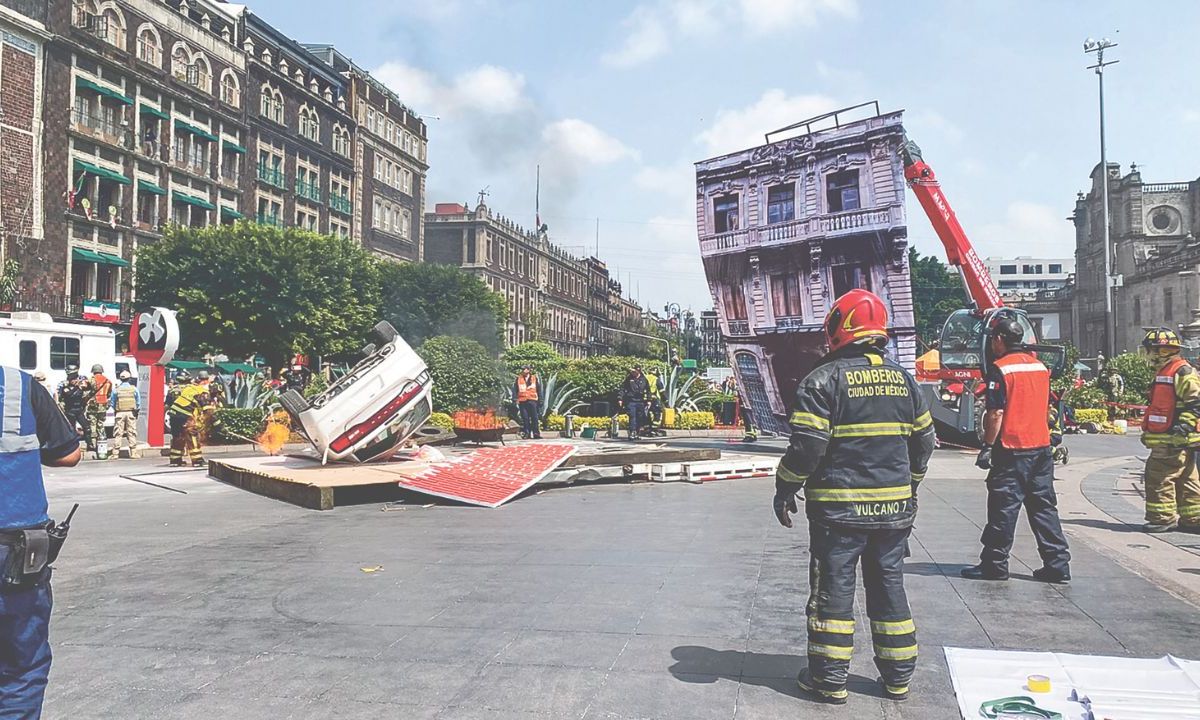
(879, 429)
(886, 494)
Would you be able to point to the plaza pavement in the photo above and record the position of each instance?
(617, 601)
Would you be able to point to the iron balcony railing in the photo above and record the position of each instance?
(340, 203)
(272, 176)
(308, 190)
(97, 124)
(272, 220)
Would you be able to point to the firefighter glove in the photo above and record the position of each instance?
(984, 460)
(785, 505)
(1187, 423)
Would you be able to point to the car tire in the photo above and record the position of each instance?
(293, 402)
(385, 332)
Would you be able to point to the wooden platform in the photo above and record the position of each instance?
(305, 482)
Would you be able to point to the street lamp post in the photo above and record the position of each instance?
(667, 349)
(1110, 319)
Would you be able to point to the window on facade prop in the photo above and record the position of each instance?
(781, 203)
(148, 49)
(850, 277)
(733, 299)
(725, 214)
(785, 295)
(1055, 269)
(1008, 269)
(1028, 270)
(842, 191)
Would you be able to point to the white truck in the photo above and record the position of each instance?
(34, 341)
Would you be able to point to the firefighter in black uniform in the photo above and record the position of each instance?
(1017, 453)
(861, 440)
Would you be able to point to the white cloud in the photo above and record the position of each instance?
(486, 89)
(924, 123)
(768, 16)
(653, 27)
(646, 39)
(416, 87)
(584, 142)
(1027, 228)
(734, 130)
(490, 89)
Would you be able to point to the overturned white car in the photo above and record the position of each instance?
(370, 410)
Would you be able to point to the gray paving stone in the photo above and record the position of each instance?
(682, 697)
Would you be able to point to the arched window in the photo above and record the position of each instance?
(271, 104)
(181, 60)
(229, 89)
(310, 124)
(149, 50)
(85, 14)
(111, 26)
(201, 77)
(341, 141)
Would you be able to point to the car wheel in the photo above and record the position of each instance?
(293, 402)
(385, 332)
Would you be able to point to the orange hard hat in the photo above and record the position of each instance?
(859, 316)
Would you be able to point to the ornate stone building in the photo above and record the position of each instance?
(546, 288)
(787, 227)
(1153, 229)
(390, 142)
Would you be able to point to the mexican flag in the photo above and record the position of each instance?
(108, 312)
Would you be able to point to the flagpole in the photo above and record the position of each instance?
(537, 200)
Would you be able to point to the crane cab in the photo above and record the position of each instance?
(965, 350)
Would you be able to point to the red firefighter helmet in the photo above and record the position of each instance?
(859, 316)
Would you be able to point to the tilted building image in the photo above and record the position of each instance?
(787, 227)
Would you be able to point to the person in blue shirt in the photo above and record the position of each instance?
(33, 433)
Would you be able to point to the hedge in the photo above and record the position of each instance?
(441, 420)
(683, 421)
(695, 421)
(1091, 415)
(247, 422)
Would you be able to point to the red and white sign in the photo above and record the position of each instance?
(491, 476)
(153, 340)
(154, 336)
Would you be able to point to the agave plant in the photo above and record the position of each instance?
(686, 394)
(559, 397)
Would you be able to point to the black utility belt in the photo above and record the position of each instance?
(31, 550)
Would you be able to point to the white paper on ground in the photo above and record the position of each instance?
(982, 675)
(1114, 688)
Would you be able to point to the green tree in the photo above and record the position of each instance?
(539, 355)
(246, 288)
(465, 373)
(937, 291)
(599, 377)
(424, 300)
(1137, 373)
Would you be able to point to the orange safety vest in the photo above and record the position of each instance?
(1161, 415)
(103, 388)
(527, 390)
(1027, 389)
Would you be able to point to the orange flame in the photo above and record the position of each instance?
(477, 420)
(273, 437)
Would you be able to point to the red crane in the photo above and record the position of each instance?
(963, 344)
(959, 251)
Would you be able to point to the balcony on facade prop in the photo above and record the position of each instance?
(340, 203)
(813, 227)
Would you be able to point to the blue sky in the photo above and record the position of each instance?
(616, 100)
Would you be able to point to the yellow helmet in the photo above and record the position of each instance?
(1162, 339)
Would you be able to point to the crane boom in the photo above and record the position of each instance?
(959, 251)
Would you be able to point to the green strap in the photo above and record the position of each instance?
(1016, 705)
